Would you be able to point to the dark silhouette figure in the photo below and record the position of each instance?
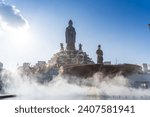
(70, 36)
(149, 26)
(99, 53)
(61, 47)
(80, 46)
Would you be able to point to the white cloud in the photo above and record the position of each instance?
(11, 18)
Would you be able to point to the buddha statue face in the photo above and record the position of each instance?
(70, 23)
(99, 46)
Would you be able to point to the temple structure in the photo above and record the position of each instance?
(74, 61)
(70, 55)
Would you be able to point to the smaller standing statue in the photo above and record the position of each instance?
(80, 47)
(99, 53)
(61, 47)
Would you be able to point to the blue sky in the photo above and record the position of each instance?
(120, 26)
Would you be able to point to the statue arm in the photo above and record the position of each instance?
(102, 52)
(75, 36)
(97, 52)
(66, 35)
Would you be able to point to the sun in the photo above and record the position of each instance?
(20, 38)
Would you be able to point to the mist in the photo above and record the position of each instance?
(71, 87)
